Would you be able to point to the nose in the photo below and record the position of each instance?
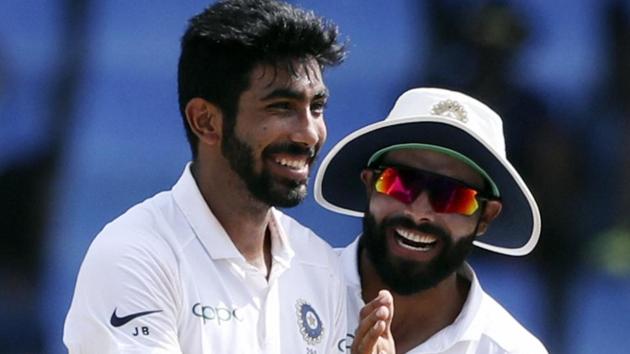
(309, 130)
(421, 209)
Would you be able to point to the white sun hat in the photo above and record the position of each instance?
(446, 121)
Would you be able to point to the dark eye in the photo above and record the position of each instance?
(281, 105)
(318, 106)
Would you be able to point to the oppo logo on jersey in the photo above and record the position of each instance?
(212, 313)
(345, 344)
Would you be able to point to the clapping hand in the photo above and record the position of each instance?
(374, 336)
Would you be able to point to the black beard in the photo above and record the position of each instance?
(278, 193)
(407, 277)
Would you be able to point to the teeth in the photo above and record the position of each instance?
(295, 164)
(416, 237)
(414, 248)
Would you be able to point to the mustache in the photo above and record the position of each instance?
(425, 227)
(292, 149)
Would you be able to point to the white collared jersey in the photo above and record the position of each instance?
(166, 278)
(483, 326)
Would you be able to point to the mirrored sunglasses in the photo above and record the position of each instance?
(446, 195)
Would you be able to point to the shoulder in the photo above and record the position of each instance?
(130, 266)
(137, 237)
(505, 331)
(307, 245)
(302, 236)
(145, 216)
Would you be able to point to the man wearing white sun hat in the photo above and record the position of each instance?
(436, 181)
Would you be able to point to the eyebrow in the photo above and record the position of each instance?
(293, 94)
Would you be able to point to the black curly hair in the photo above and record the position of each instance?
(224, 43)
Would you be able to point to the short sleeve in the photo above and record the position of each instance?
(126, 298)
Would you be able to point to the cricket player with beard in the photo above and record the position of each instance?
(211, 266)
(436, 182)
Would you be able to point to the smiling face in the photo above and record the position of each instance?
(279, 129)
(412, 246)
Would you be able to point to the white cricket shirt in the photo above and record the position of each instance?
(165, 278)
(482, 327)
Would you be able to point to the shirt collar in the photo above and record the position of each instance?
(349, 256)
(281, 250)
(209, 230)
(467, 326)
(205, 225)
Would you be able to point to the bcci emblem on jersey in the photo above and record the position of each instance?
(309, 322)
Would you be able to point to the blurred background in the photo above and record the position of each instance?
(89, 126)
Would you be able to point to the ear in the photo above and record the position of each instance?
(205, 120)
(366, 178)
(491, 210)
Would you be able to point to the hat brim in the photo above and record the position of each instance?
(338, 187)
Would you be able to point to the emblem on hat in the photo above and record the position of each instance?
(309, 322)
(450, 108)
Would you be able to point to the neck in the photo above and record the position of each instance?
(244, 218)
(434, 308)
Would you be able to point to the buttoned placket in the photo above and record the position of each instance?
(266, 290)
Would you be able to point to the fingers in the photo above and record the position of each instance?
(384, 298)
(374, 324)
(366, 342)
(376, 310)
(388, 301)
